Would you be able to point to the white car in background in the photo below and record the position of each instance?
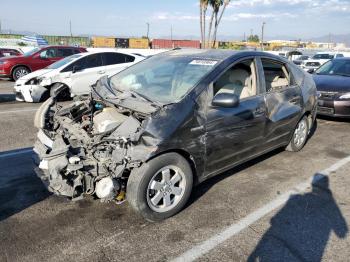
(319, 59)
(78, 72)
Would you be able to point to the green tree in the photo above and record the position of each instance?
(253, 38)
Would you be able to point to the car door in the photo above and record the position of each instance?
(235, 134)
(283, 101)
(43, 58)
(116, 62)
(85, 73)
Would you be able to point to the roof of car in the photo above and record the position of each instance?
(105, 51)
(342, 58)
(214, 53)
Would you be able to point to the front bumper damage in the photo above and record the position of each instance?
(29, 93)
(83, 152)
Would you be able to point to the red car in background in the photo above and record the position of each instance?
(38, 58)
(4, 52)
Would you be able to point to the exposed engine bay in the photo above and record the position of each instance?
(89, 147)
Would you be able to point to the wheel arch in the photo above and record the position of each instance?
(18, 65)
(185, 154)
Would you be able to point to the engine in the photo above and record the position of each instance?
(84, 148)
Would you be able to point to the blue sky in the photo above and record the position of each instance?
(297, 18)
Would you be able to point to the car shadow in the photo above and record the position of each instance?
(20, 188)
(7, 98)
(301, 228)
(334, 119)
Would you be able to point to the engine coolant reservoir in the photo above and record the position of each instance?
(108, 119)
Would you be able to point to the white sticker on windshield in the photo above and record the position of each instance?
(204, 62)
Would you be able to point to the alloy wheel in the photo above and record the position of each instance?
(166, 189)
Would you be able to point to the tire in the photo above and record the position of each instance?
(148, 193)
(300, 136)
(64, 95)
(19, 71)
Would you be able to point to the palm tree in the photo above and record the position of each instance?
(203, 6)
(217, 21)
(215, 4)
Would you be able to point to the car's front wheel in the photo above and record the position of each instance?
(300, 136)
(161, 187)
(19, 71)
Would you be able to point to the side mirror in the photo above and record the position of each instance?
(225, 100)
(43, 56)
(76, 69)
(311, 71)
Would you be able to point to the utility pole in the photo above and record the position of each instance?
(171, 32)
(70, 28)
(262, 36)
(244, 38)
(147, 30)
(0, 27)
(329, 41)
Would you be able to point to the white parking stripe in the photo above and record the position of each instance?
(18, 111)
(204, 247)
(17, 152)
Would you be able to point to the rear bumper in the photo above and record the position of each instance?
(334, 108)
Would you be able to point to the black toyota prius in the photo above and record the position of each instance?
(151, 132)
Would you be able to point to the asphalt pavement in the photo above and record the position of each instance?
(264, 210)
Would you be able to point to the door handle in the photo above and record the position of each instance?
(295, 100)
(197, 129)
(259, 111)
(101, 72)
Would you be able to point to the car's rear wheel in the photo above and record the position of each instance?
(161, 187)
(300, 136)
(20, 71)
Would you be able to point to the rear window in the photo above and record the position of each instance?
(117, 58)
(63, 52)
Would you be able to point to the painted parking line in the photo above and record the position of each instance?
(18, 111)
(17, 152)
(204, 247)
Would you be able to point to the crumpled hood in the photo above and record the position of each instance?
(37, 73)
(332, 83)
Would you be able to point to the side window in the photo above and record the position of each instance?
(117, 58)
(276, 75)
(339, 55)
(48, 53)
(63, 52)
(92, 61)
(79, 64)
(76, 51)
(240, 80)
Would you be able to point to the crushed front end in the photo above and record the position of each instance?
(88, 147)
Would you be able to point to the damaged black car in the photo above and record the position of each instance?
(151, 132)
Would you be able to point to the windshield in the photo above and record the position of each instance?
(335, 67)
(63, 61)
(164, 79)
(323, 56)
(33, 51)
